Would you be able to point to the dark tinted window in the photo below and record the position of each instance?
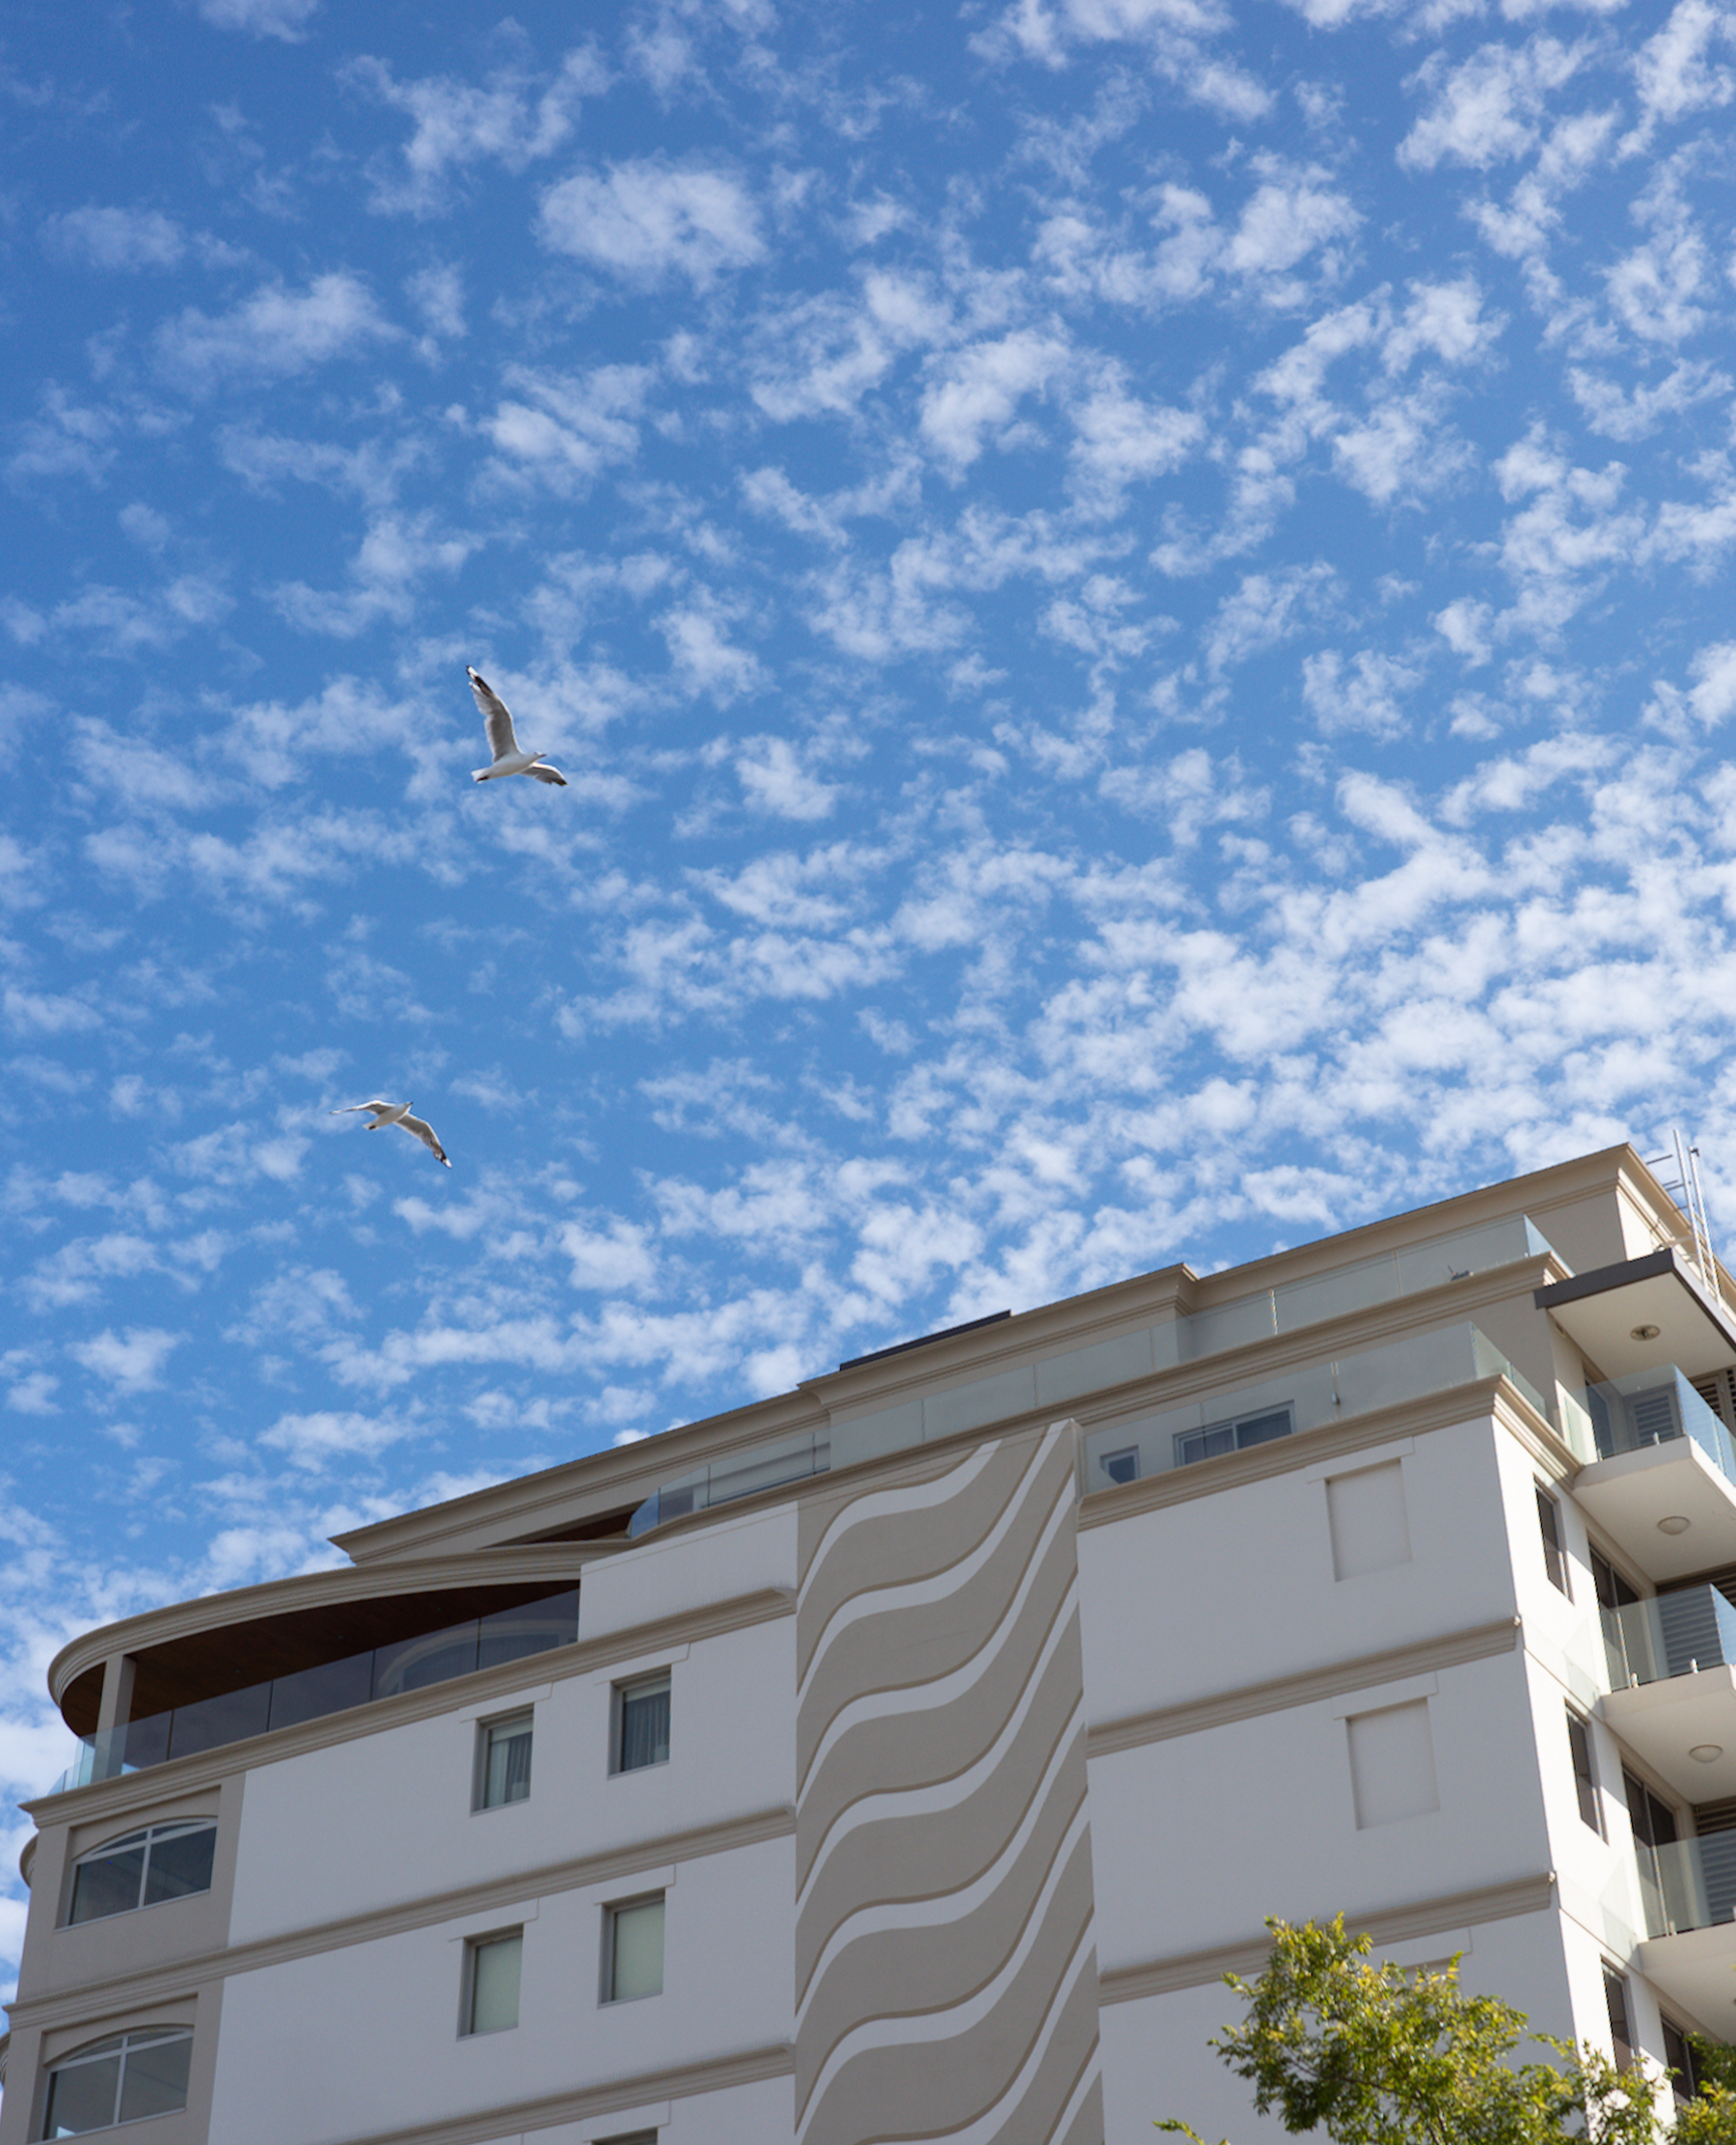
(144, 1869)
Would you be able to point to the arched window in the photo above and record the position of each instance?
(121, 2079)
(142, 1869)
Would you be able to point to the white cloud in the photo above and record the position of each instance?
(561, 430)
(1675, 71)
(774, 781)
(284, 19)
(124, 238)
(274, 334)
(1364, 693)
(132, 1362)
(1489, 108)
(510, 118)
(645, 221)
(976, 391)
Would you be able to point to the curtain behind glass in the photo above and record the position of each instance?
(644, 1725)
(495, 1983)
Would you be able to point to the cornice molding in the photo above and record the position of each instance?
(133, 1791)
(1277, 1694)
(1387, 1925)
(635, 1471)
(511, 1564)
(170, 1980)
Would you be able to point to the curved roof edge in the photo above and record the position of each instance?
(315, 1590)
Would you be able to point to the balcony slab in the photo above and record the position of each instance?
(1696, 1972)
(1629, 1495)
(1663, 1722)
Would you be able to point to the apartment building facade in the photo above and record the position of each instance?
(909, 1756)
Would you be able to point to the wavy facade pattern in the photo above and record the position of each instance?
(945, 1964)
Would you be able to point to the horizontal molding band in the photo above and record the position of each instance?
(1388, 1925)
(133, 1790)
(166, 1979)
(1478, 1642)
(518, 2118)
(1434, 1411)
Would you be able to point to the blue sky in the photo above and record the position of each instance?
(1134, 595)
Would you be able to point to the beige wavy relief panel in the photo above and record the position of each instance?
(945, 1962)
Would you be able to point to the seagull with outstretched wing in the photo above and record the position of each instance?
(502, 740)
(398, 1114)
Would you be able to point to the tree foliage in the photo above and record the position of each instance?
(1369, 2054)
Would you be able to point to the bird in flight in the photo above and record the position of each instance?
(398, 1113)
(503, 741)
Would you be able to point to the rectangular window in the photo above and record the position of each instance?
(1122, 1466)
(641, 1722)
(1678, 2059)
(1621, 2032)
(503, 1761)
(633, 1949)
(491, 1981)
(1585, 1777)
(1234, 1436)
(1555, 1557)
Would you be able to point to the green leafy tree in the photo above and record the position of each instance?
(1371, 2053)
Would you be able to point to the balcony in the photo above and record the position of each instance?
(1688, 1890)
(409, 1663)
(1664, 1485)
(1672, 1665)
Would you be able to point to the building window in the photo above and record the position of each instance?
(641, 1722)
(120, 2080)
(629, 2137)
(1122, 1466)
(1585, 1777)
(633, 1949)
(491, 1981)
(1555, 1557)
(1678, 2059)
(503, 1761)
(1234, 1436)
(143, 1869)
(1621, 2032)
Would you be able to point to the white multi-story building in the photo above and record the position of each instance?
(912, 1754)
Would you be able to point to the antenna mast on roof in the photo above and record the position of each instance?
(1685, 1189)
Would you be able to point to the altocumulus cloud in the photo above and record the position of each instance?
(644, 219)
(274, 333)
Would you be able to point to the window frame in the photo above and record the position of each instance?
(486, 1730)
(1106, 1462)
(612, 1915)
(118, 2045)
(1618, 1997)
(1235, 1425)
(166, 1828)
(654, 1682)
(474, 1947)
(1684, 2073)
(1554, 1548)
(1585, 1778)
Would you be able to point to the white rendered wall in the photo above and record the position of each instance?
(667, 1574)
(366, 2037)
(1196, 1839)
(1217, 1591)
(387, 1818)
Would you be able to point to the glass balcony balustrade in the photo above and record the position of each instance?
(329, 1687)
(1670, 1635)
(1688, 1884)
(1651, 1407)
(769, 1466)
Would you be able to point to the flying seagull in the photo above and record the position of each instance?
(502, 741)
(398, 1113)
